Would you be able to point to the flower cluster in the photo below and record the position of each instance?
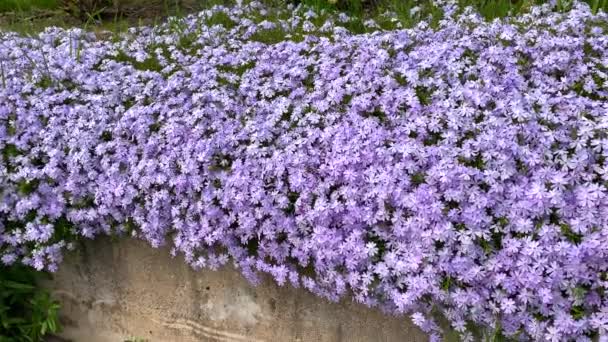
(460, 170)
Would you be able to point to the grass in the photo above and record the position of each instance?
(31, 15)
(27, 5)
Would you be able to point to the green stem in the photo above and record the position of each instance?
(595, 7)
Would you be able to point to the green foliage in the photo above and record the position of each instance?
(570, 235)
(150, 64)
(271, 36)
(597, 5)
(27, 312)
(418, 178)
(410, 12)
(222, 19)
(84, 8)
(26, 5)
(116, 15)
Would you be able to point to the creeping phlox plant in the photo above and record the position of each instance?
(458, 172)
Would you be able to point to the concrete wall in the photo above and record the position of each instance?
(113, 291)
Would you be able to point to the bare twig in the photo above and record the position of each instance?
(2, 74)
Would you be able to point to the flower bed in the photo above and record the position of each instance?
(459, 170)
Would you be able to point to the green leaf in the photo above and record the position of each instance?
(17, 286)
(52, 325)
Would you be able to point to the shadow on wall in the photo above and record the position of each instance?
(112, 291)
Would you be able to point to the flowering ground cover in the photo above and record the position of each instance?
(457, 172)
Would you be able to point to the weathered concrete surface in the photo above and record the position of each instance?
(114, 291)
